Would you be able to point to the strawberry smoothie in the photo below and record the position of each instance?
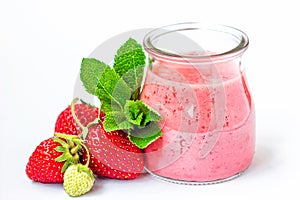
(208, 121)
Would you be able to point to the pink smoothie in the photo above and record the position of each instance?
(208, 127)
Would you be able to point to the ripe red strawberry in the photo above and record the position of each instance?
(116, 156)
(111, 153)
(42, 166)
(66, 124)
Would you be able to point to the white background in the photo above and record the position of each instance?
(41, 47)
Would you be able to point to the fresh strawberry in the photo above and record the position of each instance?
(112, 154)
(116, 156)
(78, 180)
(65, 122)
(42, 166)
(52, 157)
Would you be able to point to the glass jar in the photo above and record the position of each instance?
(196, 81)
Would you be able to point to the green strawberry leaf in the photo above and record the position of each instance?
(66, 165)
(129, 63)
(62, 158)
(67, 148)
(90, 72)
(60, 149)
(142, 137)
(60, 141)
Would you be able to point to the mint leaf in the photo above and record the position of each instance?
(129, 56)
(129, 63)
(116, 121)
(142, 137)
(112, 91)
(138, 113)
(91, 70)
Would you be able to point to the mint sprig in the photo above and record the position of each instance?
(118, 89)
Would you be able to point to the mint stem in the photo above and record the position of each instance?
(136, 94)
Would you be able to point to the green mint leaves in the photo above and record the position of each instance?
(118, 90)
(112, 91)
(129, 64)
(90, 73)
(138, 113)
(142, 137)
(145, 130)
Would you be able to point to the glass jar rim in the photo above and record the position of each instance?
(237, 50)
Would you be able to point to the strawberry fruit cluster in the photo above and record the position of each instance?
(109, 154)
(105, 141)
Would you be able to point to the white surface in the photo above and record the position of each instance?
(41, 47)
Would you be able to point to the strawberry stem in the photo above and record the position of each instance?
(65, 136)
(88, 155)
(84, 129)
(75, 149)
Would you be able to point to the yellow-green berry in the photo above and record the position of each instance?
(78, 180)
